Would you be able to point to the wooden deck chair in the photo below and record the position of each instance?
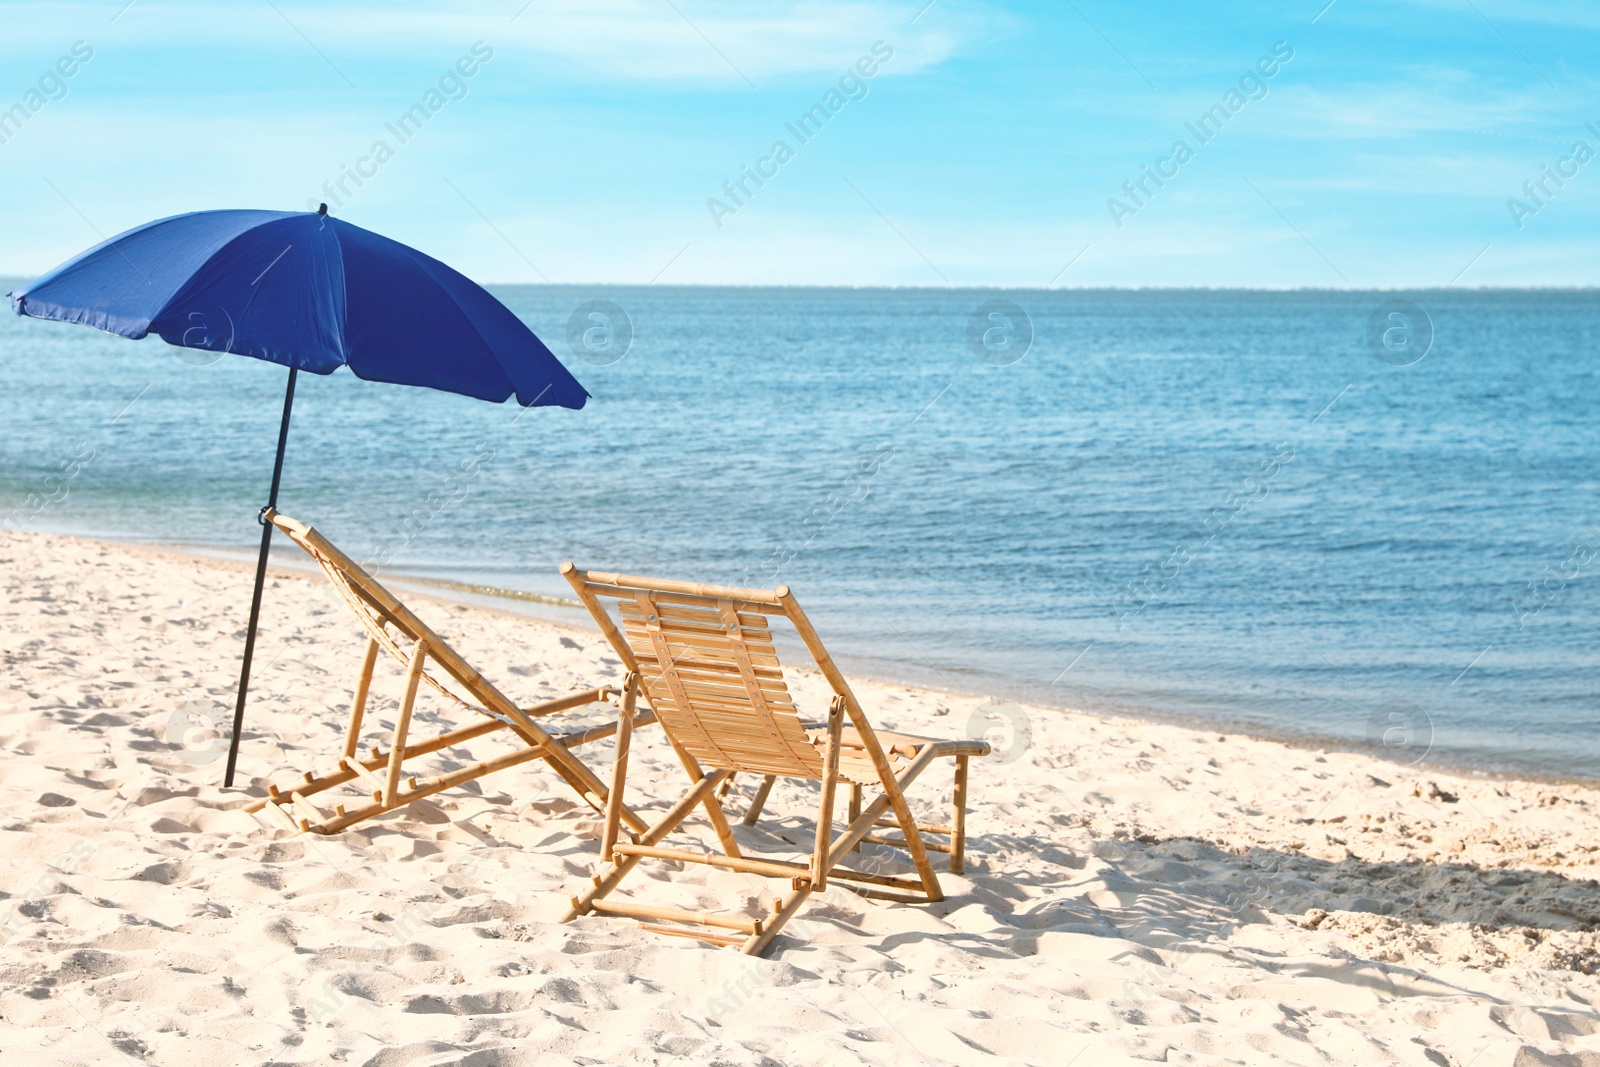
(703, 657)
(393, 628)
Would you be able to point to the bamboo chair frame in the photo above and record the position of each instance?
(395, 629)
(702, 656)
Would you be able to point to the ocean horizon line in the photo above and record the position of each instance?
(7, 280)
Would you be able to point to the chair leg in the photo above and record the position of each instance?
(619, 772)
(855, 810)
(719, 823)
(759, 800)
(609, 879)
(897, 800)
(958, 819)
(358, 706)
(783, 910)
(402, 726)
(829, 785)
(604, 883)
(893, 796)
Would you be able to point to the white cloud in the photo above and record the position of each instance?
(710, 41)
(1422, 99)
(692, 39)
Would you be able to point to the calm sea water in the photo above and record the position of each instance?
(1213, 505)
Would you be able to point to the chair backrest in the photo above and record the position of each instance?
(708, 667)
(391, 624)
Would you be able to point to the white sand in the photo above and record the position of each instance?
(1134, 892)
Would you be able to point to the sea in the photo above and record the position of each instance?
(1357, 519)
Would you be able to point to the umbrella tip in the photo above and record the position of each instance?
(322, 209)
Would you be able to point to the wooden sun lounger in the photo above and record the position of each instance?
(395, 629)
(703, 657)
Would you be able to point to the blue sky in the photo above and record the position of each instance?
(983, 152)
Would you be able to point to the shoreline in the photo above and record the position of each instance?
(508, 602)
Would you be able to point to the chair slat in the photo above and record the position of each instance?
(704, 646)
(670, 612)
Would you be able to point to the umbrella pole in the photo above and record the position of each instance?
(261, 577)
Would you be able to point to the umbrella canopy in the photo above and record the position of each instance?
(312, 293)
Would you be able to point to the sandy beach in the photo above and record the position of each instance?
(1134, 892)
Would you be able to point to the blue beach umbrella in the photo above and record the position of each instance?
(312, 293)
